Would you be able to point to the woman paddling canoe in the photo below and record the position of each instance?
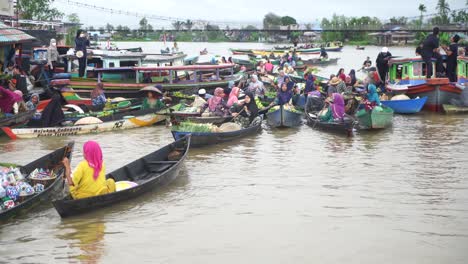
(89, 177)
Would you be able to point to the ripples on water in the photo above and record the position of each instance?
(283, 196)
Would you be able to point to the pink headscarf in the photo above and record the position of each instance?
(338, 107)
(8, 99)
(93, 155)
(214, 101)
(233, 96)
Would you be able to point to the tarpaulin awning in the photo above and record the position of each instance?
(9, 35)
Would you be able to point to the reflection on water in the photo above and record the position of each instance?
(86, 235)
(271, 197)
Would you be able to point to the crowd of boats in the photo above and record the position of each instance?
(202, 104)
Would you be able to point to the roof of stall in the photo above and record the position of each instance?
(9, 35)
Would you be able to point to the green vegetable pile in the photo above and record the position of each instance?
(194, 127)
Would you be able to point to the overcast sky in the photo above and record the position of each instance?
(305, 11)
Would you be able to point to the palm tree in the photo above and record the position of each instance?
(422, 8)
(178, 25)
(444, 9)
(189, 24)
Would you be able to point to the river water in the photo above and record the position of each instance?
(283, 196)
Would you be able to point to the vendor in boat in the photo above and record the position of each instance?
(341, 74)
(332, 86)
(98, 98)
(452, 53)
(233, 97)
(284, 94)
(269, 67)
(216, 105)
(246, 111)
(372, 97)
(89, 177)
(289, 70)
(153, 99)
(256, 87)
(53, 114)
(7, 101)
(33, 102)
(367, 63)
(20, 106)
(382, 65)
(280, 79)
(323, 54)
(352, 75)
(334, 110)
(310, 85)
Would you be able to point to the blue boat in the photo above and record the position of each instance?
(410, 106)
(284, 118)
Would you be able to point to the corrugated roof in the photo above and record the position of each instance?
(9, 35)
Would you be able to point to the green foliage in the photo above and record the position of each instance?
(38, 10)
(443, 9)
(271, 21)
(70, 37)
(398, 20)
(460, 17)
(178, 25)
(188, 24)
(342, 22)
(287, 20)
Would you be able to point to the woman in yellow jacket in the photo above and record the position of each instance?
(89, 177)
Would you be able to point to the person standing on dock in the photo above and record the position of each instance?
(429, 50)
(382, 64)
(81, 43)
(452, 53)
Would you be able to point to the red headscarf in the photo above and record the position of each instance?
(93, 155)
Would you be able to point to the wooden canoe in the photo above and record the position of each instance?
(453, 109)
(345, 127)
(48, 161)
(369, 120)
(17, 120)
(207, 139)
(284, 118)
(149, 172)
(126, 122)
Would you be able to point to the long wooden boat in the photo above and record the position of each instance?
(345, 127)
(284, 118)
(149, 172)
(280, 52)
(48, 161)
(17, 120)
(131, 80)
(320, 62)
(369, 120)
(212, 138)
(138, 119)
(453, 109)
(408, 75)
(410, 106)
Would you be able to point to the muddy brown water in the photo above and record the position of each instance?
(282, 196)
